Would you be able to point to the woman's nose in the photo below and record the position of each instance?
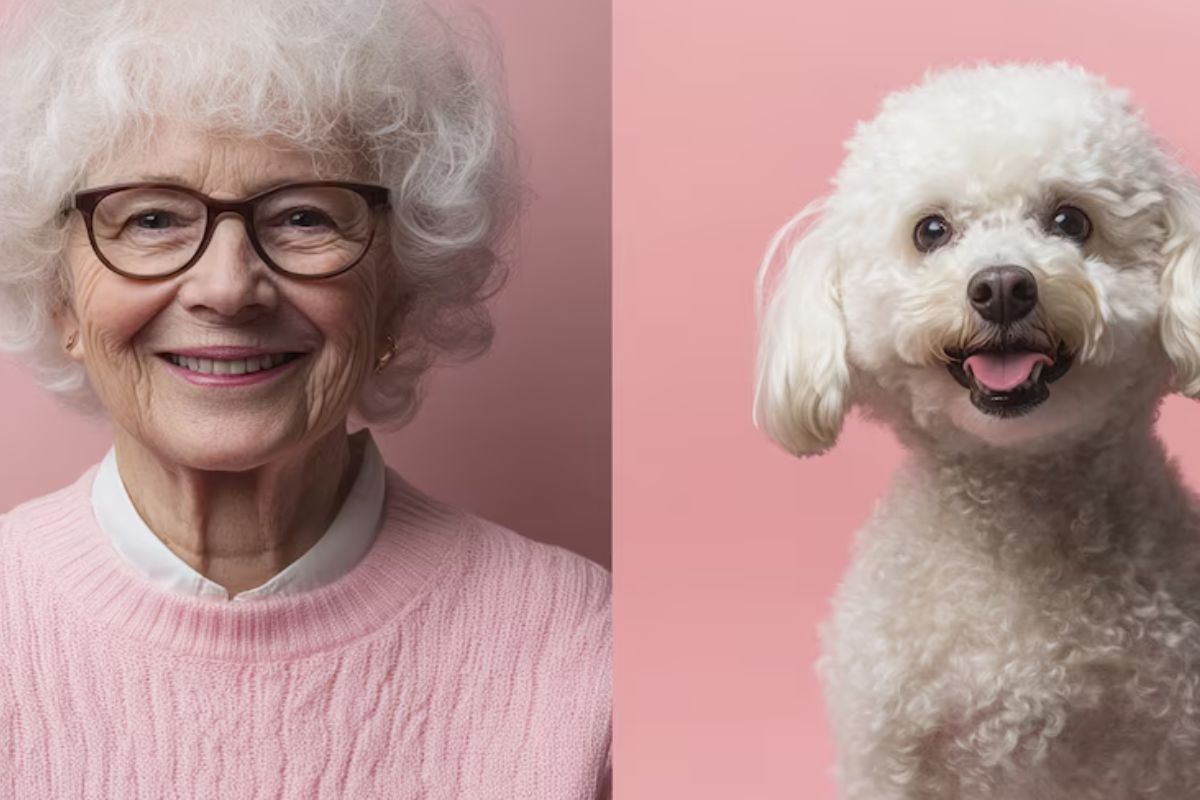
(229, 279)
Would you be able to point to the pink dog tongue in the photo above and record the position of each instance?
(1003, 371)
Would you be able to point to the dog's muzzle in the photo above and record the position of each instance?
(1009, 375)
(1010, 380)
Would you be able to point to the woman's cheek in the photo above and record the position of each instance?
(115, 307)
(341, 312)
(340, 369)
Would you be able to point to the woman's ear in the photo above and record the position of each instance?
(66, 324)
(803, 383)
(1180, 325)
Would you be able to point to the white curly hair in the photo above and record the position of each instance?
(387, 85)
(1021, 616)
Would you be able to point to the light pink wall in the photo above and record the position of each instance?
(727, 119)
(521, 437)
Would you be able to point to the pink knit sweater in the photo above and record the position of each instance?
(455, 660)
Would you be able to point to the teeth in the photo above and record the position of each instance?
(243, 366)
(1036, 372)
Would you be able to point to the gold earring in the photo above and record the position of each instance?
(383, 360)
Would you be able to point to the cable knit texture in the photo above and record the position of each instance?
(457, 659)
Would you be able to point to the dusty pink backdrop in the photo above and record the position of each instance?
(521, 437)
(727, 119)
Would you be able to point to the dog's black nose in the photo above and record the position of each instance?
(1003, 294)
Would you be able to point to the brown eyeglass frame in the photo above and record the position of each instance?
(86, 201)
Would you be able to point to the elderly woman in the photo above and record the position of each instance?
(233, 226)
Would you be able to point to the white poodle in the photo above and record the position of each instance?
(1007, 272)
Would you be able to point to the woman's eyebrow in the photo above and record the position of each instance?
(161, 178)
(247, 191)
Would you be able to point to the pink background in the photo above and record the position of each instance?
(727, 119)
(521, 437)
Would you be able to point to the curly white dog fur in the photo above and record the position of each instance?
(1006, 273)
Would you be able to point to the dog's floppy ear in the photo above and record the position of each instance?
(1180, 324)
(802, 391)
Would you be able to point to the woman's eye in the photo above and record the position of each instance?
(1070, 222)
(931, 233)
(308, 218)
(153, 220)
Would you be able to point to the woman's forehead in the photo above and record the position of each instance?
(216, 163)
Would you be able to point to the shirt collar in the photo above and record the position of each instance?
(345, 542)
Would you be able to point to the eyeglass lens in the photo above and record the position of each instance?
(307, 231)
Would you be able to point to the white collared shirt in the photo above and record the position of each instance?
(346, 541)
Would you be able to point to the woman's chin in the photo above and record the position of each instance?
(225, 445)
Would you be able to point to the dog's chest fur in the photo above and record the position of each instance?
(996, 641)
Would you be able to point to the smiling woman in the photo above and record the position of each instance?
(293, 273)
(229, 228)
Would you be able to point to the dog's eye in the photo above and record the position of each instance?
(1072, 223)
(931, 233)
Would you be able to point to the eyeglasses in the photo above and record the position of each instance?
(308, 231)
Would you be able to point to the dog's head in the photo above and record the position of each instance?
(1007, 255)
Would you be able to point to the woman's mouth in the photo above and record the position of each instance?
(209, 371)
(240, 366)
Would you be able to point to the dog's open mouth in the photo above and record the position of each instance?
(1008, 381)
